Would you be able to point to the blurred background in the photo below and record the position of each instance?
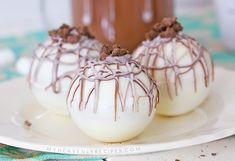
(24, 24)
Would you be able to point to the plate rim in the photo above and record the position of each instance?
(124, 149)
(117, 149)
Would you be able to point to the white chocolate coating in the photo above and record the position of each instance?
(183, 70)
(22, 65)
(53, 67)
(112, 102)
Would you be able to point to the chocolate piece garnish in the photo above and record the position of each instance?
(85, 32)
(213, 154)
(72, 39)
(70, 34)
(27, 123)
(170, 32)
(112, 50)
(167, 28)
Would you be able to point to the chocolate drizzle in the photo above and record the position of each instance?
(53, 50)
(112, 70)
(154, 51)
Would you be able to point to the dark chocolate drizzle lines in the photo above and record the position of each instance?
(154, 50)
(53, 51)
(111, 70)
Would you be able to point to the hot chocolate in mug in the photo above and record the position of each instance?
(120, 21)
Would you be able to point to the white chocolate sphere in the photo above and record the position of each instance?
(52, 69)
(182, 68)
(112, 102)
(22, 65)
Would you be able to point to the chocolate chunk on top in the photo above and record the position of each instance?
(27, 123)
(213, 154)
(86, 32)
(112, 50)
(70, 34)
(167, 28)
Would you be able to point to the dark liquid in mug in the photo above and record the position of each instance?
(124, 22)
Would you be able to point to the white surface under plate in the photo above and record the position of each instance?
(214, 119)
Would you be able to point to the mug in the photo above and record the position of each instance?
(124, 22)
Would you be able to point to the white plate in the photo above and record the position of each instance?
(214, 119)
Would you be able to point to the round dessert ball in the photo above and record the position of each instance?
(112, 99)
(182, 68)
(54, 63)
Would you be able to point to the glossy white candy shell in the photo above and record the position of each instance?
(23, 65)
(186, 99)
(55, 102)
(49, 100)
(52, 101)
(101, 125)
